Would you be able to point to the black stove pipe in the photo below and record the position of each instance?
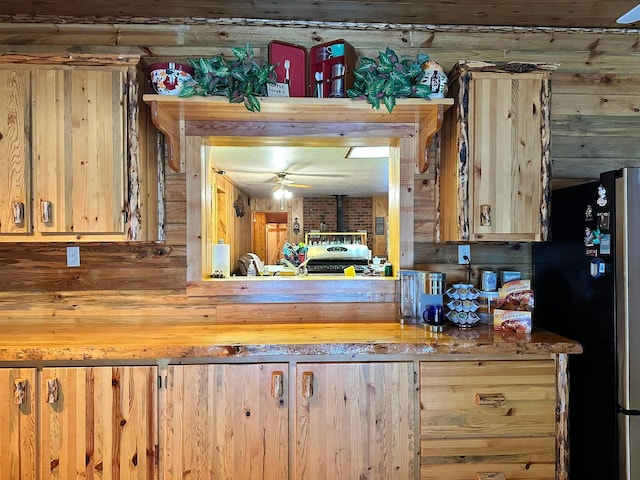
(339, 213)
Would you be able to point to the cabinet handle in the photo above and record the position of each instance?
(307, 384)
(490, 476)
(46, 211)
(485, 215)
(495, 399)
(20, 391)
(278, 385)
(18, 213)
(52, 390)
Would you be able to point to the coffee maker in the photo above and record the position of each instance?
(421, 298)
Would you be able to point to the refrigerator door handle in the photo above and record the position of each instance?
(628, 412)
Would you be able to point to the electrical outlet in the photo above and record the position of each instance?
(73, 256)
(464, 251)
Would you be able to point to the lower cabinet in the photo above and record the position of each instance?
(349, 421)
(93, 422)
(487, 420)
(292, 420)
(354, 421)
(18, 423)
(99, 422)
(225, 422)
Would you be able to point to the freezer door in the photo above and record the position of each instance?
(628, 316)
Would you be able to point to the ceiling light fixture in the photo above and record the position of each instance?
(631, 16)
(281, 193)
(368, 152)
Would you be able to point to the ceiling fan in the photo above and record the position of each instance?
(281, 181)
(631, 16)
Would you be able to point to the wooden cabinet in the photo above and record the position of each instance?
(354, 420)
(14, 151)
(494, 173)
(18, 425)
(349, 420)
(70, 151)
(93, 422)
(99, 422)
(226, 422)
(488, 418)
(79, 142)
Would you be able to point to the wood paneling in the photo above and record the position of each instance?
(595, 118)
(583, 13)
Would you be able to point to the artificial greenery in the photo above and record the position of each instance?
(387, 78)
(241, 79)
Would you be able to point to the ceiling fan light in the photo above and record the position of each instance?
(631, 16)
(281, 193)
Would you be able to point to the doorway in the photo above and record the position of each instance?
(270, 232)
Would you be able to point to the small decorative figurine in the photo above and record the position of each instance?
(435, 77)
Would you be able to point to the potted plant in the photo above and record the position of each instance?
(241, 79)
(388, 77)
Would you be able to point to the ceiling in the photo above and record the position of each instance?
(314, 172)
(518, 13)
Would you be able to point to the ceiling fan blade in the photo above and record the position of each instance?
(298, 185)
(631, 16)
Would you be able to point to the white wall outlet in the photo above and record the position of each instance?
(73, 256)
(464, 251)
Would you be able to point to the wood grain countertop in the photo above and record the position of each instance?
(108, 340)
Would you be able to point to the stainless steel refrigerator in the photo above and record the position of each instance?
(587, 287)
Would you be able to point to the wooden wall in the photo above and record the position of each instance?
(595, 120)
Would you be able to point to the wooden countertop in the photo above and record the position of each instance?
(107, 340)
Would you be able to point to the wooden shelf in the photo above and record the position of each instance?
(336, 120)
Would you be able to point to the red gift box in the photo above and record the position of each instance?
(326, 70)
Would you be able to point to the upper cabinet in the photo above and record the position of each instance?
(66, 151)
(494, 175)
(14, 151)
(78, 152)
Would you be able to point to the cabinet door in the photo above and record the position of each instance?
(14, 152)
(18, 425)
(79, 150)
(506, 180)
(99, 422)
(355, 420)
(225, 422)
(488, 417)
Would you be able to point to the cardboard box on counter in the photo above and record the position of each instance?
(514, 307)
(512, 321)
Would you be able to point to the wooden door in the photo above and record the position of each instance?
(79, 140)
(15, 166)
(225, 422)
(18, 425)
(355, 421)
(506, 178)
(101, 423)
(259, 236)
(277, 234)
